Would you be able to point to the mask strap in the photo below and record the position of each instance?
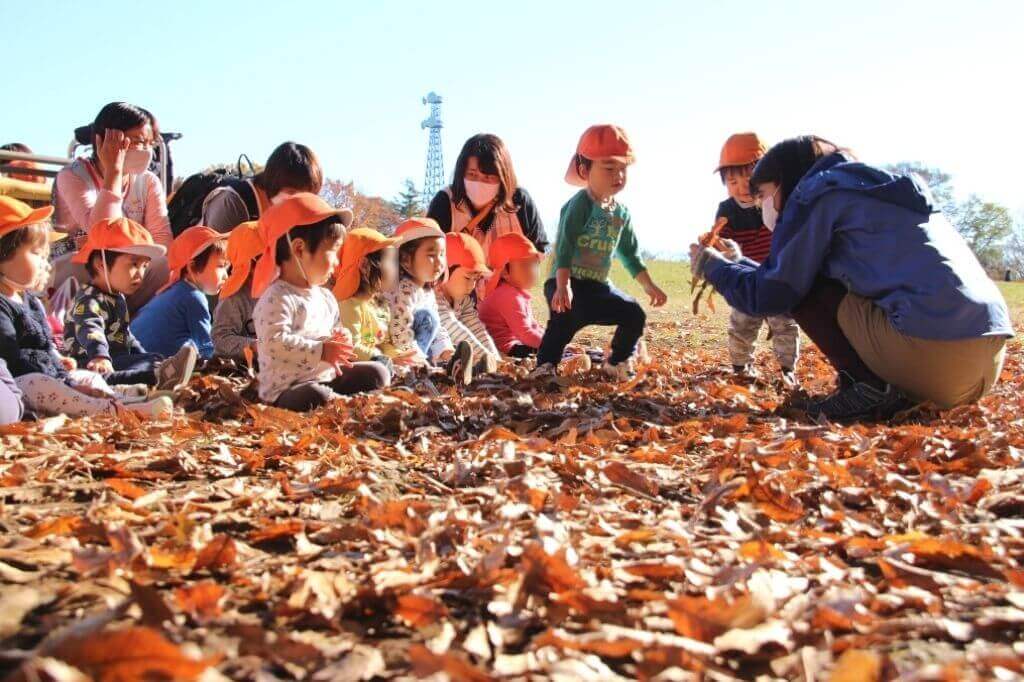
(298, 262)
(106, 270)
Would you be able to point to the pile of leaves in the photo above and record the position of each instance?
(673, 528)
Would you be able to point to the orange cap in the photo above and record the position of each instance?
(599, 143)
(244, 245)
(504, 250)
(359, 243)
(741, 149)
(278, 220)
(465, 251)
(186, 246)
(121, 235)
(418, 227)
(15, 214)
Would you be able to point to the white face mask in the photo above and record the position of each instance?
(481, 193)
(137, 161)
(769, 214)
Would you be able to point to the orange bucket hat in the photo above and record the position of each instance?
(244, 245)
(599, 143)
(16, 214)
(504, 250)
(120, 235)
(464, 250)
(359, 243)
(741, 149)
(186, 246)
(418, 227)
(297, 210)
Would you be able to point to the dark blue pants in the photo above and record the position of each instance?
(425, 327)
(592, 303)
(134, 368)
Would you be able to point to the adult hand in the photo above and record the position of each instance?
(561, 302)
(101, 366)
(731, 249)
(111, 153)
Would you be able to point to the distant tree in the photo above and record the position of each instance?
(372, 212)
(409, 201)
(938, 181)
(985, 226)
(1013, 251)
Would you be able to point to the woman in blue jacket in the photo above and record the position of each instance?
(875, 276)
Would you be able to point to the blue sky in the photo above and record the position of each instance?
(937, 82)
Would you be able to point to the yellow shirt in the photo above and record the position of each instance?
(368, 324)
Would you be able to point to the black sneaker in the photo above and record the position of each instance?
(860, 401)
(460, 367)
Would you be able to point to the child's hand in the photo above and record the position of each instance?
(101, 366)
(658, 297)
(561, 302)
(338, 353)
(406, 358)
(112, 150)
(68, 363)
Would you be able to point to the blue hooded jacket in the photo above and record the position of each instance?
(880, 235)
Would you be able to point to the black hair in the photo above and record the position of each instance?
(371, 273)
(787, 163)
(726, 171)
(35, 234)
(92, 266)
(122, 116)
(493, 158)
(200, 262)
(291, 166)
(20, 147)
(407, 251)
(314, 235)
(582, 163)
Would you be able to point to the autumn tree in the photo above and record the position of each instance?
(373, 212)
(409, 201)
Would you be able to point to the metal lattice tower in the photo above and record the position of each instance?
(433, 179)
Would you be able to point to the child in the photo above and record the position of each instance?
(233, 328)
(49, 382)
(506, 309)
(456, 302)
(305, 356)
(116, 255)
(747, 236)
(369, 266)
(593, 227)
(11, 407)
(180, 313)
(415, 320)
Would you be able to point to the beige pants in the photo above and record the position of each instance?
(947, 373)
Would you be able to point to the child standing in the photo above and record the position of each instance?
(117, 254)
(305, 356)
(592, 227)
(233, 328)
(748, 237)
(415, 320)
(369, 267)
(507, 310)
(180, 314)
(456, 301)
(50, 383)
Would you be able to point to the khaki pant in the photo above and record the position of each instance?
(743, 331)
(947, 373)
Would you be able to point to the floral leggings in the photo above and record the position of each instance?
(47, 395)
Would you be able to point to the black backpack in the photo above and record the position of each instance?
(185, 208)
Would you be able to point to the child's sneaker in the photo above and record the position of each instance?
(159, 408)
(460, 367)
(576, 364)
(487, 365)
(174, 372)
(545, 371)
(620, 372)
(748, 372)
(789, 378)
(130, 393)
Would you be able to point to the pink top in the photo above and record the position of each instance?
(508, 316)
(81, 203)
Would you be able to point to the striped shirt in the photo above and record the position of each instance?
(746, 229)
(463, 324)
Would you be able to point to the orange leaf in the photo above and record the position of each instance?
(201, 600)
(619, 473)
(125, 488)
(546, 573)
(419, 611)
(219, 553)
(857, 665)
(62, 525)
(276, 531)
(704, 619)
(759, 550)
(168, 555)
(425, 663)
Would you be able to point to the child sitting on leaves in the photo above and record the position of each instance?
(415, 320)
(593, 227)
(180, 314)
(233, 328)
(49, 382)
(369, 267)
(456, 300)
(306, 357)
(746, 236)
(507, 310)
(116, 255)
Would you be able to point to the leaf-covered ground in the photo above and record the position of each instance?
(676, 528)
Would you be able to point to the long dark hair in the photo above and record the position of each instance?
(291, 166)
(493, 158)
(787, 163)
(121, 116)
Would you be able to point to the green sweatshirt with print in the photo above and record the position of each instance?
(588, 237)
